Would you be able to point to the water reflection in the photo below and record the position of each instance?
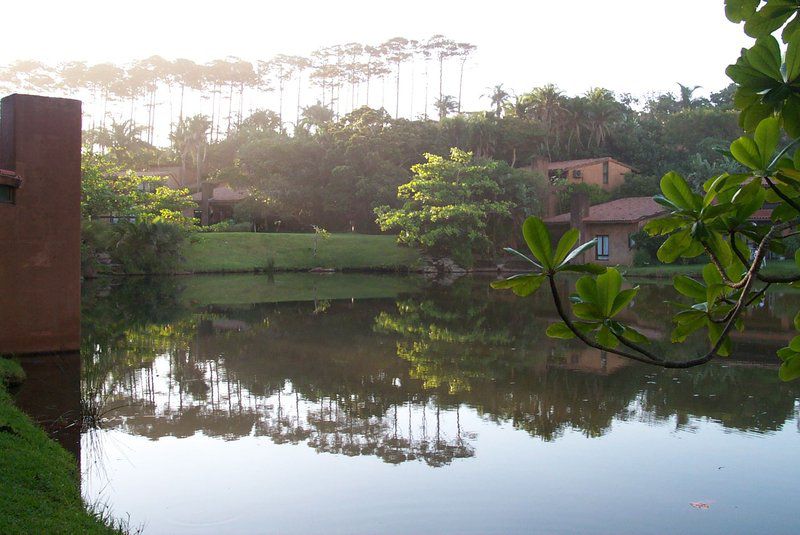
(434, 408)
(389, 378)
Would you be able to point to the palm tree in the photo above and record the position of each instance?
(445, 105)
(463, 51)
(299, 64)
(316, 118)
(397, 51)
(686, 95)
(546, 104)
(73, 76)
(190, 139)
(602, 110)
(375, 65)
(189, 74)
(498, 97)
(574, 122)
(442, 48)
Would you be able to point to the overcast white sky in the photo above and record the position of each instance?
(634, 46)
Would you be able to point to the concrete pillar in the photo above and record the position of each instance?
(40, 141)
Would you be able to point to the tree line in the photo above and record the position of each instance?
(334, 171)
(341, 77)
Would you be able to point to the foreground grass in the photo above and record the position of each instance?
(250, 251)
(773, 268)
(39, 483)
(259, 288)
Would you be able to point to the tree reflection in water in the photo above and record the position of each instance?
(391, 378)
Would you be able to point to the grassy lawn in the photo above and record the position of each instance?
(248, 251)
(39, 483)
(774, 268)
(240, 289)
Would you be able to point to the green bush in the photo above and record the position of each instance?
(147, 247)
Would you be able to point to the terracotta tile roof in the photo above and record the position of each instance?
(222, 194)
(627, 210)
(574, 164)
(765, 214)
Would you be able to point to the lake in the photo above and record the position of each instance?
(345, 403)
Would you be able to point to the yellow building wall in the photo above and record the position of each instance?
(593, 174)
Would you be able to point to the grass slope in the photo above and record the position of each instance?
(259, 288)
(39, 484)
(248, 251)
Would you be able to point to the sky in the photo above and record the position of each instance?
(631, 46)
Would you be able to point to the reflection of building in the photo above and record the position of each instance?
(611, 223)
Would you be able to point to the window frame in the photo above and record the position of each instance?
(12, 194)
(602, 239)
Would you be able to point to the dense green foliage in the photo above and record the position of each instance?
(460, 206)
(134, 221)
(713, 220)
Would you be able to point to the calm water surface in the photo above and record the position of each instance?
(367, 404)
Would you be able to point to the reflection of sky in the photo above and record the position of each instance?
(638, 478)
(596, 449)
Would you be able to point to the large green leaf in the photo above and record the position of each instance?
(746, 152)
(765, 22)
(587, 289)
(565, 245)
(622, 299)
(522, 285)
(538, 239)
(765, 57)
(790, 369)
(689, 287)
(678, 191)
(588, 311)
(594, 269)
(720, 248)
(739, 10)
(577, 251)
(768, 133)
(675, 246)
(606, 338)
(664, 225)
(793, 58)
(682, 331)
(608, 286)
(560, 330)
(633, 335)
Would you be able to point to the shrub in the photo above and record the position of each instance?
(147, 247)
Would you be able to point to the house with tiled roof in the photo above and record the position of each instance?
(216, 202)
(612, 223)
(606, 173)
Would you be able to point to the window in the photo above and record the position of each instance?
(7, 194)
(602, 247)
(577, 173)
(605, 172)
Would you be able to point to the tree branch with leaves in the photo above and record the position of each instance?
(716, 222)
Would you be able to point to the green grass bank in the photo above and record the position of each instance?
(39, 480)
(250, 251)
(667, 271)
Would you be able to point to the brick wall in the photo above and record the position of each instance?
(40, 140)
